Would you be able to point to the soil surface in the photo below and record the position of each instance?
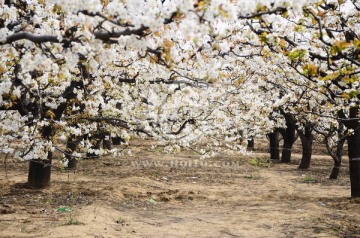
(150, 194)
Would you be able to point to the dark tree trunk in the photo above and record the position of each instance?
(117, 140)
(355, 176)
(289, 138)
(241, 136)
(306, 143)
(72, 164)
(250, 144)
(40, 170)
(39, 174)
(336, 169)
(286, 153)
(274, 145)
(337, 154)
(306, 154)
(354, 153)
(107, 140)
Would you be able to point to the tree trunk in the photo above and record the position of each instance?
(355, 177)
(39, 174)
(274, 145)
(97, 139)
(337, 154)
(306, 143)
(286, 154)
(71, 146)
(117, 140)
(354, 153)
(250, 144)
(40, 170)
(107, 140)
(241, 136)
(336, 169)
(289, 138)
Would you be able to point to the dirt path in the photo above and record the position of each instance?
(152, 196)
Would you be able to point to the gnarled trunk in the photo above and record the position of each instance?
(336, 169)
(354, 152)
(337, 154)
(274, 145)
(107, 140)
(240, 135)
(117, 140)
(250, 144)
(307, 139)
(289, 137)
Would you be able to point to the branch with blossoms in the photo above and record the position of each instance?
(101, 35)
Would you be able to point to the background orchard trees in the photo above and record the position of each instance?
(336, 69)
(323, 49)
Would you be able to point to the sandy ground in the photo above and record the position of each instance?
(155, 195)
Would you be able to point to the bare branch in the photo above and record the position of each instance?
(105, 35)
(101, 34)
(278, 10)
(31, 37)
(182, 127)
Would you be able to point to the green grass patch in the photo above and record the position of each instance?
(260, 162)
(310, 180)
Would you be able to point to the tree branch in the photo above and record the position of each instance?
(31, 37)
(277, 10)
(101, 35)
